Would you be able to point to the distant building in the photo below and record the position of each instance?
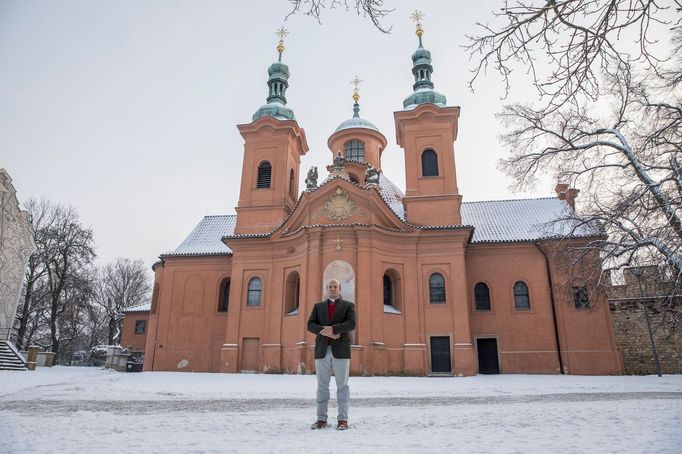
(134, 327)
(441, 286)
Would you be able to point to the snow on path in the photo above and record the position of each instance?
(92, 410)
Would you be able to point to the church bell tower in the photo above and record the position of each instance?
(426, 129)
(273, 146)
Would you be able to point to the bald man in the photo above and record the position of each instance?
(332, 320)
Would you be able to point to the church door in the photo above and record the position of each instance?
(487, 356)
(250, 354)
(440, 354)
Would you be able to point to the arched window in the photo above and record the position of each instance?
(155, 299)
(292, 294)
(253, 298)
(224, 295)
(436, 289)
(482, 297)
(388, 291)
(264, 175)
(354, 150)
(429, 163)
(292, 189)
(521, 298)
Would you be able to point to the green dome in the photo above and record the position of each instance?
(278, 70)
(278, 82)
(424, 96)
(274, 109)
(421, 56)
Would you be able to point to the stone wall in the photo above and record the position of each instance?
(630, 326)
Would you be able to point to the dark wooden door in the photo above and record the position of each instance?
(487, 356)
(440, 354)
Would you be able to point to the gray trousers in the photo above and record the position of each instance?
(323, 371)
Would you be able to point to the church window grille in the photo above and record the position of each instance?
(264, 175)
(140, 326)
(429, 163)
(254, 293)
(436, 289)
(355, 150)
(482, 297)
(581, 298)
(521, 296)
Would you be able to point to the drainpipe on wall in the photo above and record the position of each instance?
(551, 297)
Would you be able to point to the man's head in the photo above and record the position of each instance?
(333, 289)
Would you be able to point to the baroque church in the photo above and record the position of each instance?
(441, 286)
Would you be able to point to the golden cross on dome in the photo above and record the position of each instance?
(282, 33)
(338, 242)
(356, 90)
(417, 16)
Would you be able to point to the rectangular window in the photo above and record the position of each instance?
(140, 326)
(581, 298)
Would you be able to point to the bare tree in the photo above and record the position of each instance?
(608, 119)
(372, 9)
(121, 284)
(68, 251)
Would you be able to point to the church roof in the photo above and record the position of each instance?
(495, 221)
(205, 239)
(356, 122)
(504, 221)
(144, 307)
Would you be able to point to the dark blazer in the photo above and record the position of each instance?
(343, 323)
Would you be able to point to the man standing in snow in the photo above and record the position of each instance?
(332, 320)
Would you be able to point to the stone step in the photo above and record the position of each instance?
(5, 367)
(9, 360)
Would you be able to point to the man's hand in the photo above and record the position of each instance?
(329, 332)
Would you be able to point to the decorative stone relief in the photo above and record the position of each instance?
(339, 207)
(16, 246)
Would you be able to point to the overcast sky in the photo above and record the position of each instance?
(127, 110)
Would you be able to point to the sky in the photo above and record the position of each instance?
(127, 110)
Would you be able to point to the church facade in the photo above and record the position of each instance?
(441, 286)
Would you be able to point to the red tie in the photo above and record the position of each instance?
(332, 309)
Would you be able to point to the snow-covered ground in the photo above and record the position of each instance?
(84, 410)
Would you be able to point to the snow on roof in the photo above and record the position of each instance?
(495, 221)
(144, 307)
(498, 221)
(392, 195)
(205, 239)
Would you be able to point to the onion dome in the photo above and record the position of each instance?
(278, 82)
(422, 70)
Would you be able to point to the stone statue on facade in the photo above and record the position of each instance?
(17, 244)
(339, 161)
(311, 179)
(337, 169)
(372, 175)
